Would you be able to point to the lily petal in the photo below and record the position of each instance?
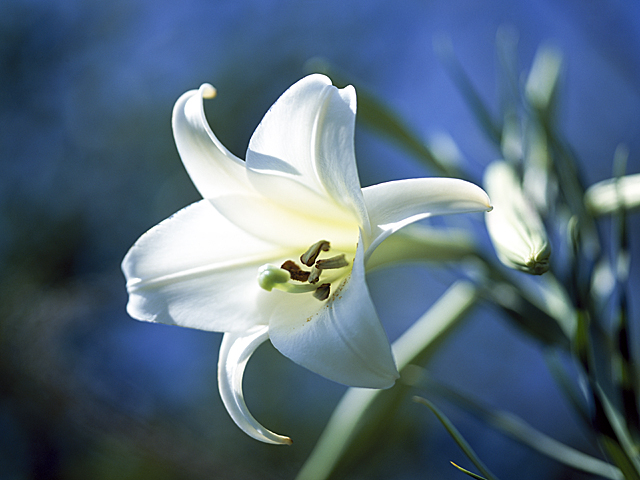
(198, 270)
(261, 217)
(213, 169)
(235, 351)
(314, 154)
(393, 205)
(344, 340)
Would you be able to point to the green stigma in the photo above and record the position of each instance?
(269, 276)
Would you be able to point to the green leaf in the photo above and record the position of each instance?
(471, 474)
(621, 448)
(575, 398)
(457, 437)
(519, 430)
(627, 378)
(542, 82)
(522, 309)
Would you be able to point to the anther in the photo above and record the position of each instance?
(314, 276)
(208, 90)
(338, 261)
(295, 271)
(309, 257)
(322, 292)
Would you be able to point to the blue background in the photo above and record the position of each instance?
(88, 164)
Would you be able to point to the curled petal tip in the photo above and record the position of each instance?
(208, 91)
(235, 351)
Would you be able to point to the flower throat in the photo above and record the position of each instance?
(292, 278)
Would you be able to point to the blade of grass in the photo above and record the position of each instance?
(621, 447)
(457, 437)
(627, 381)
(471, 474)
(516, 428)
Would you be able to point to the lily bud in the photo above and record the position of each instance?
(621, 193)
(516, 230)
(542, 82)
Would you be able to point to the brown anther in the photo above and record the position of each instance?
(314, 276)
(322, 292)
(338, 261)
(295, 271)
(309, 257)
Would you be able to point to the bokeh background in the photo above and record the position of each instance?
(88, 164)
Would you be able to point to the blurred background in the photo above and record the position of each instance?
(89, 164)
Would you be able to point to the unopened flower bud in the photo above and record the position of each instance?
(516, 230)
(542, 82)
(613, 194)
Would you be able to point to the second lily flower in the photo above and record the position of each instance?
(277, 247)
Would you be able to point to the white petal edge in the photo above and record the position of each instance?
(235, 351)
(302, 155)
(198, 270)
(335, 151)
(282, 144)
(343, 340)
(393, 205)
(213, 169)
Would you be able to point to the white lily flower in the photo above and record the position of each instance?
(232, 261)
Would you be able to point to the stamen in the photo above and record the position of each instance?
(314, 276)
(338, 261)
(295, 288)
(322, 292)
(309, 257)
(295, 271)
